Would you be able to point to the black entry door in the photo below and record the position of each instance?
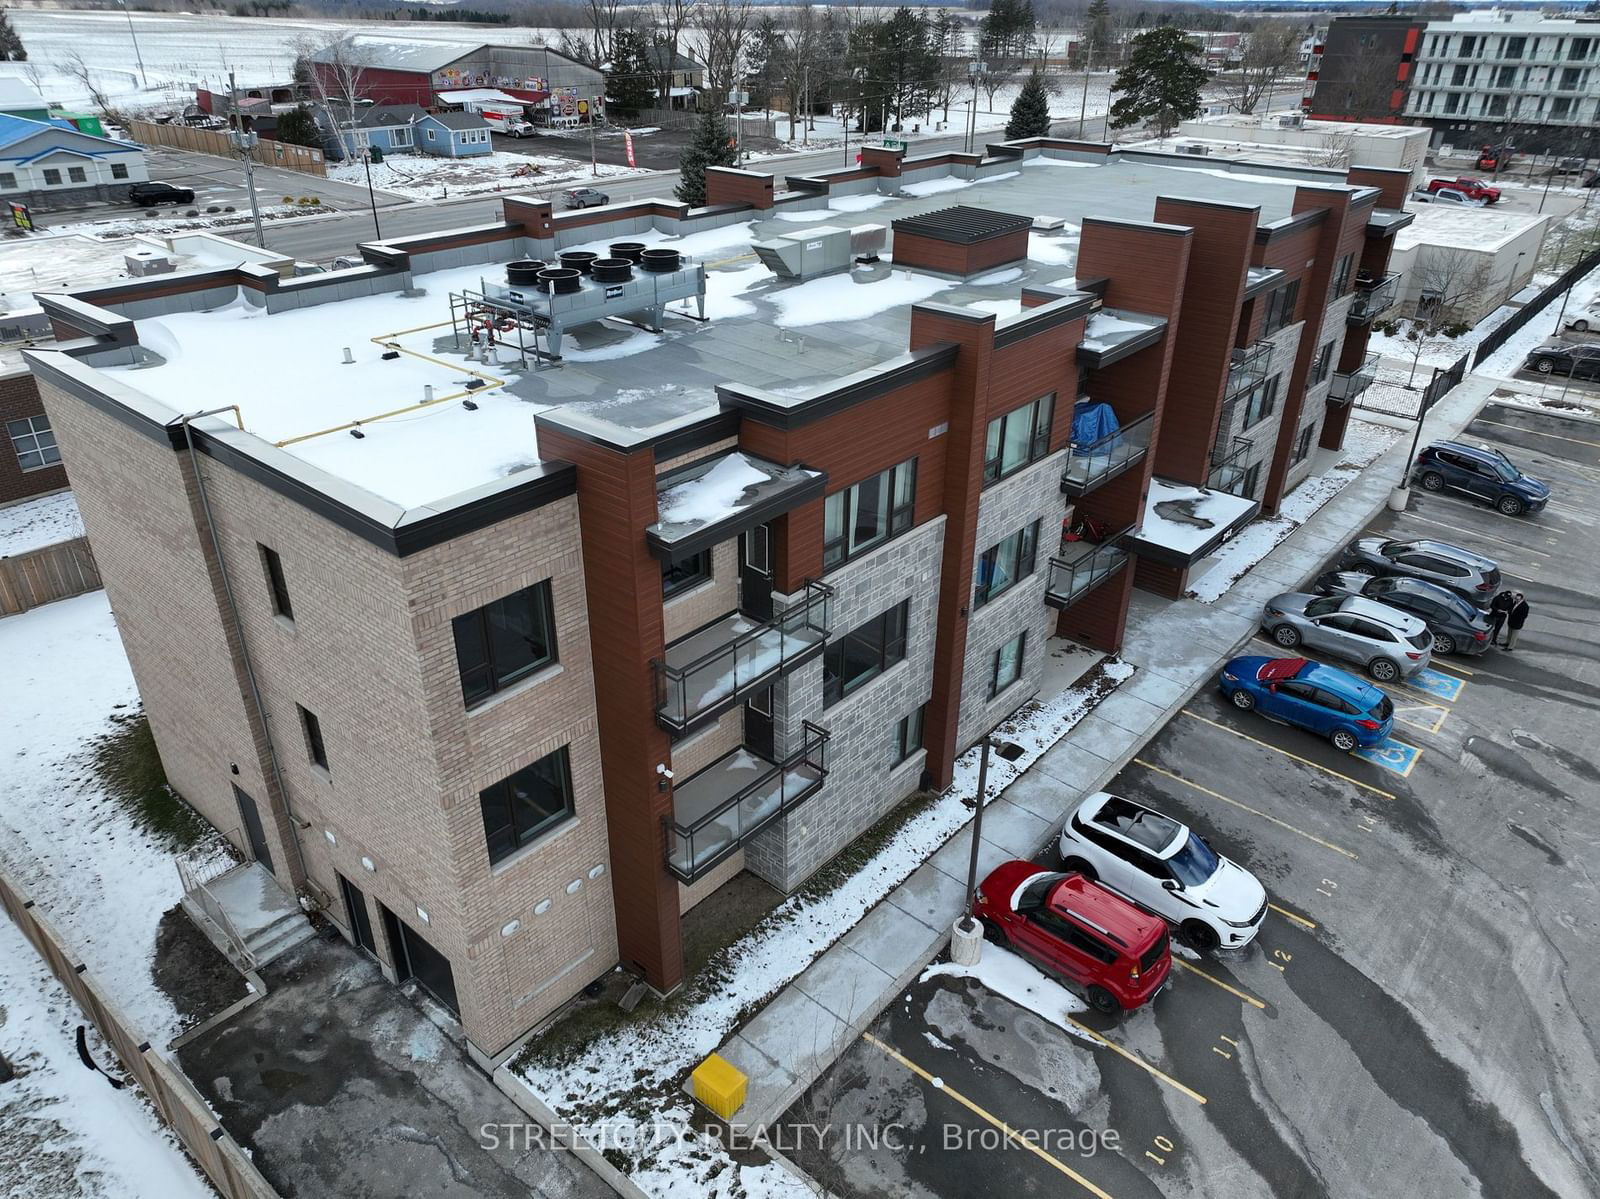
(415, 958)
(755, 572)
(253, 830)
(355, 906)
(758, 736)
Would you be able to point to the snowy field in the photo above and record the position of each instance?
(34, 524)
(420, 177)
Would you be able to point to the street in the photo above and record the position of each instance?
(1409, 1010)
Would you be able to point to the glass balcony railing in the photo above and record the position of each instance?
(1084, 565)
(1227, 466)
(714, 668)
(1248, 367)
(1373, 297)
(736, 797)
(1346, 386)
(1092, 463)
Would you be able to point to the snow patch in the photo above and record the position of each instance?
(717, 493)
(835, 298)
(36, 523)
(994, 278)
(1015, 978)
(934, 187)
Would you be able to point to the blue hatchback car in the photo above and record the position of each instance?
(1317, 698)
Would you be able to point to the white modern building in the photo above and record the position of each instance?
(1460, 264)
(1292, 140)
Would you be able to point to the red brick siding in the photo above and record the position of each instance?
(19, 398)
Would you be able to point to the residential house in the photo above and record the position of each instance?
(452, 134)
(47, 164)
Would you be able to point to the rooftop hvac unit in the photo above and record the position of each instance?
(1194, 149)
(141, 263)
(1292, 120)
(820, 250)
(867, 241)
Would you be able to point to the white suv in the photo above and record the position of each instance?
(1157, 863)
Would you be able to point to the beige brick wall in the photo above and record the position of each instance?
(689, 610)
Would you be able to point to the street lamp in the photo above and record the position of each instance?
(143, 81)
(366, 161)
(966, 939)
(975, 71)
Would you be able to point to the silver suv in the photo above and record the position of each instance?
(1390, 644)
(1469, 575)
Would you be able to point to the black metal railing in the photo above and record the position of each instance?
(1227, 465)
(747, 660)
(1346, 386)
(1373, 297)
(1083, 565)
(1092, 463)
(695, 847)
(1247, 367)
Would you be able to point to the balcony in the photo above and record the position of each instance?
(709, 671)
(1247, 367)
(1227, 466)
(1091, 463)
(1347, 385)
(736, 797)
(1373, 297)
(1084, 565)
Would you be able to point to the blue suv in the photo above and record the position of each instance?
(1308, 695)
(1480, 472)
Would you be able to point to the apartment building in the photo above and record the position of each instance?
(508, 615)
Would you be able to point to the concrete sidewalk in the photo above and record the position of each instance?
(1178, 646)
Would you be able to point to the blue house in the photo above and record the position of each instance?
(390, 128)
(452, 134)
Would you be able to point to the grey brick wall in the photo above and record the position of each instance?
(1263, 435)
(862, 782)
(1315, 409)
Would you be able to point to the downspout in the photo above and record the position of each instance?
(295, 823)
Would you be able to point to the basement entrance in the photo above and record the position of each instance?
(415, 958)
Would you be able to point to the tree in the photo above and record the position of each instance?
(1030, 115)
(298, 127)
(725, 35)
(1098, 37)
(630, 83)
(1269, 49)
(72, 64)
(11, 47)
(1160, 81)
(669, 19)
(712, 146)
(1357, 86)
(1453, 287)
(338, 82)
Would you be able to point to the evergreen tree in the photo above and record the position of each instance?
(712, 147)
(298, 127)
(11, 47)
(1160, 81)
(1030, 115)
(631, 81)
(1098, 20)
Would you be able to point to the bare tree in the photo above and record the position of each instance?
(72, 64)
(725, 30)
(336, 78)
(1270, 48)
(1357, 86)
(1454, 286)
(1334, 149)
(669, 19)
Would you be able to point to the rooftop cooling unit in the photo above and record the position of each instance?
(820, 250)
(1194, 150)
(1292, 120)
(141, 263)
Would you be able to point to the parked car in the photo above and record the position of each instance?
(585, 197)
(1585, 318)
(1569, 166)
(1161, 865)
(1471, 576)
(147, 195)
(1469, 186)
(1577, 362)
(1324, 700)
(1482, 473)
(1457, 627)
(1075, 928)
(1387, 643)
(1447, 195)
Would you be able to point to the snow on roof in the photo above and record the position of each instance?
(1465, 228)
(713, 495)
(16, 94)
(1185, 519)
(480, 95)
(1108, 328)
(70, 260)
(395, 53)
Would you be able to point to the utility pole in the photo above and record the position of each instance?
(366, 160)
(245, 143)
(594, 166)
(805, 91)
(143, 80)
(1088, 66)
(966, 943)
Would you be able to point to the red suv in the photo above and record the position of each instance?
(1077, 929)
(1474, 189)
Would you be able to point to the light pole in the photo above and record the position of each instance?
(143, 81)
(366, 161)
(966, 940)
(975, 71)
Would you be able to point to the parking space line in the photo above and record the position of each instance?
(1245, 807)
(1308, 925)
(1459, 669)
(1133, 1057)
(1536, 432)
(1005, 1129)
(1550, 506)
(1391, 754)
(1217, 982)
(1410, 703)
(1303, 761)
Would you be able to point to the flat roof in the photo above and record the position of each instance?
(619, 381)
(1465, 228)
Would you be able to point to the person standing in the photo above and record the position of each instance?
(1498, 608)
(1516, 617)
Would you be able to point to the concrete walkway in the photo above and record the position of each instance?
(1178, 647)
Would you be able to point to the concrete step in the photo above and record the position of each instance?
(279, 937)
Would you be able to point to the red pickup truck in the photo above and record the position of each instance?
(1475, 189)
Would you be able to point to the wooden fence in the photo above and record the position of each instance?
(44, 575)
(305, 159)
(176, 1101)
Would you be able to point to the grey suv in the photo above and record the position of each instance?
(1388, 643)
(1471, 576)
(1457, 627)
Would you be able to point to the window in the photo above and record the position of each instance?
(1280, 307)
(908, 736)
(530, 802)
(313, 731)
(1497, 106)
(1560, 108)
(678, 577)
(1514, 47)
(1324, 363)
(430, 135)
(1247, 486)
(863, 517)
(119, 170)
(401, 137)
(8, 180)
(1578, 49)
(1262, 401)
(1505, 77)
(1019, 437)
(51, 176)
(1341, 275)
(273, 565)
(34, 442)
(1007, 664)
(1003, 565)
(1302, 447)
(76, 175)
(854, 660)
(505, 641)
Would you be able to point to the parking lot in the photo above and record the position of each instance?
(1415, 1014)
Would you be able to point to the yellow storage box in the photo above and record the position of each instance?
(720, 1085)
